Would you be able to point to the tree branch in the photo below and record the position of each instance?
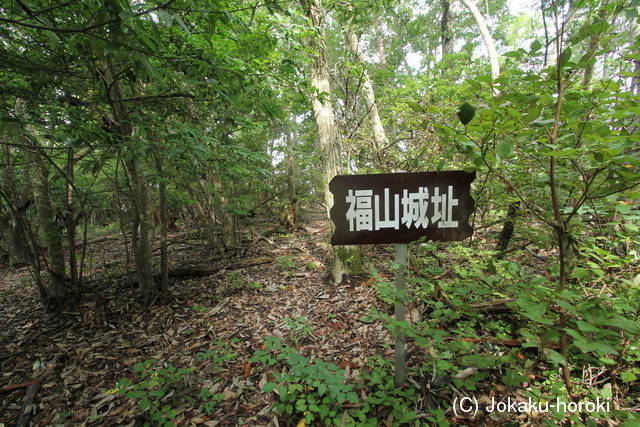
(85, 29)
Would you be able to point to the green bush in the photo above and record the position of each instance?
(162, 388)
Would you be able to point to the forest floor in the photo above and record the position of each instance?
(219, 312)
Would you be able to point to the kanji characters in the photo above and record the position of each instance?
(359, 214)
(443, 208)
(415, 208)
(365, 209)
(388, 222)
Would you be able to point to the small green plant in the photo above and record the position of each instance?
(157, 390)
(209, 400)
(311, 266)
(218, 355)
(160, 389)
(286, 262)
(299, 329)
(234, 280)
(385, 291)
(318, 393)
(383, 397)
(314, 391)
(255, 285)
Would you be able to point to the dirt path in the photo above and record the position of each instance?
(79, 355)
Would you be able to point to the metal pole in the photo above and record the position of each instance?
(400, 310)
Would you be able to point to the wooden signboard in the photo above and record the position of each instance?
(401, 207)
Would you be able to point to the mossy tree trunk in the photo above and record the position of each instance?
(327, 132)
(141, 215)
(49, 230)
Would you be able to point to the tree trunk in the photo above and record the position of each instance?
(635, 87)
(23, 245)
(228, 219)
(594, 42)
(141, 220)
(327, 132)
(9, 238)
(486, 37)
(291, 139)
(379, 135)
(380, 43)
(50, 230)
(507, 228)
(164, 259)
(446, 35)
(71, 220)
(142, 231)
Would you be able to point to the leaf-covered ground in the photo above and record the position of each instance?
(80, 355)
(220, 310)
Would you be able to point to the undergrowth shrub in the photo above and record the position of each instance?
(160, 389)
(317, 392)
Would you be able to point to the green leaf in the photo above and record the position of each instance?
(624, 323)
(628, 376)
(599, 346)
(555, 357)
(535, 46)
(144, 403)
(466, 113)
(415, 106)
(587, 327)
(53, 38)
(580, 273)
(541, 122)
(504, 149)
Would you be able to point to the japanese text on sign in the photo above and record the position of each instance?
(363, 214)
(401, 207)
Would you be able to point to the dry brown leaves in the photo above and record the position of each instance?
(81, 354)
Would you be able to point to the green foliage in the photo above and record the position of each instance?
(313, 391)
(255, 285)
(158, 389)
(219, 355)
(311, 266)
(317, 391)
(383, 397)
(286, 262)
(299, 329)
(465, 113)
(234, 280)
(385, 290)
(162, 387)
(207, 86)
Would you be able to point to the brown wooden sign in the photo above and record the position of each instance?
(401, 207)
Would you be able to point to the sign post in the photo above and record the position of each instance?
(401, 208)
(399, 314)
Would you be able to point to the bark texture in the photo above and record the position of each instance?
(327, 131)
(164, 258)
(141, 215)
(379, 135)
(291, 140)
(507, 229)
(446, 35)
(50, 230)
(486, 37)
(228, 219)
